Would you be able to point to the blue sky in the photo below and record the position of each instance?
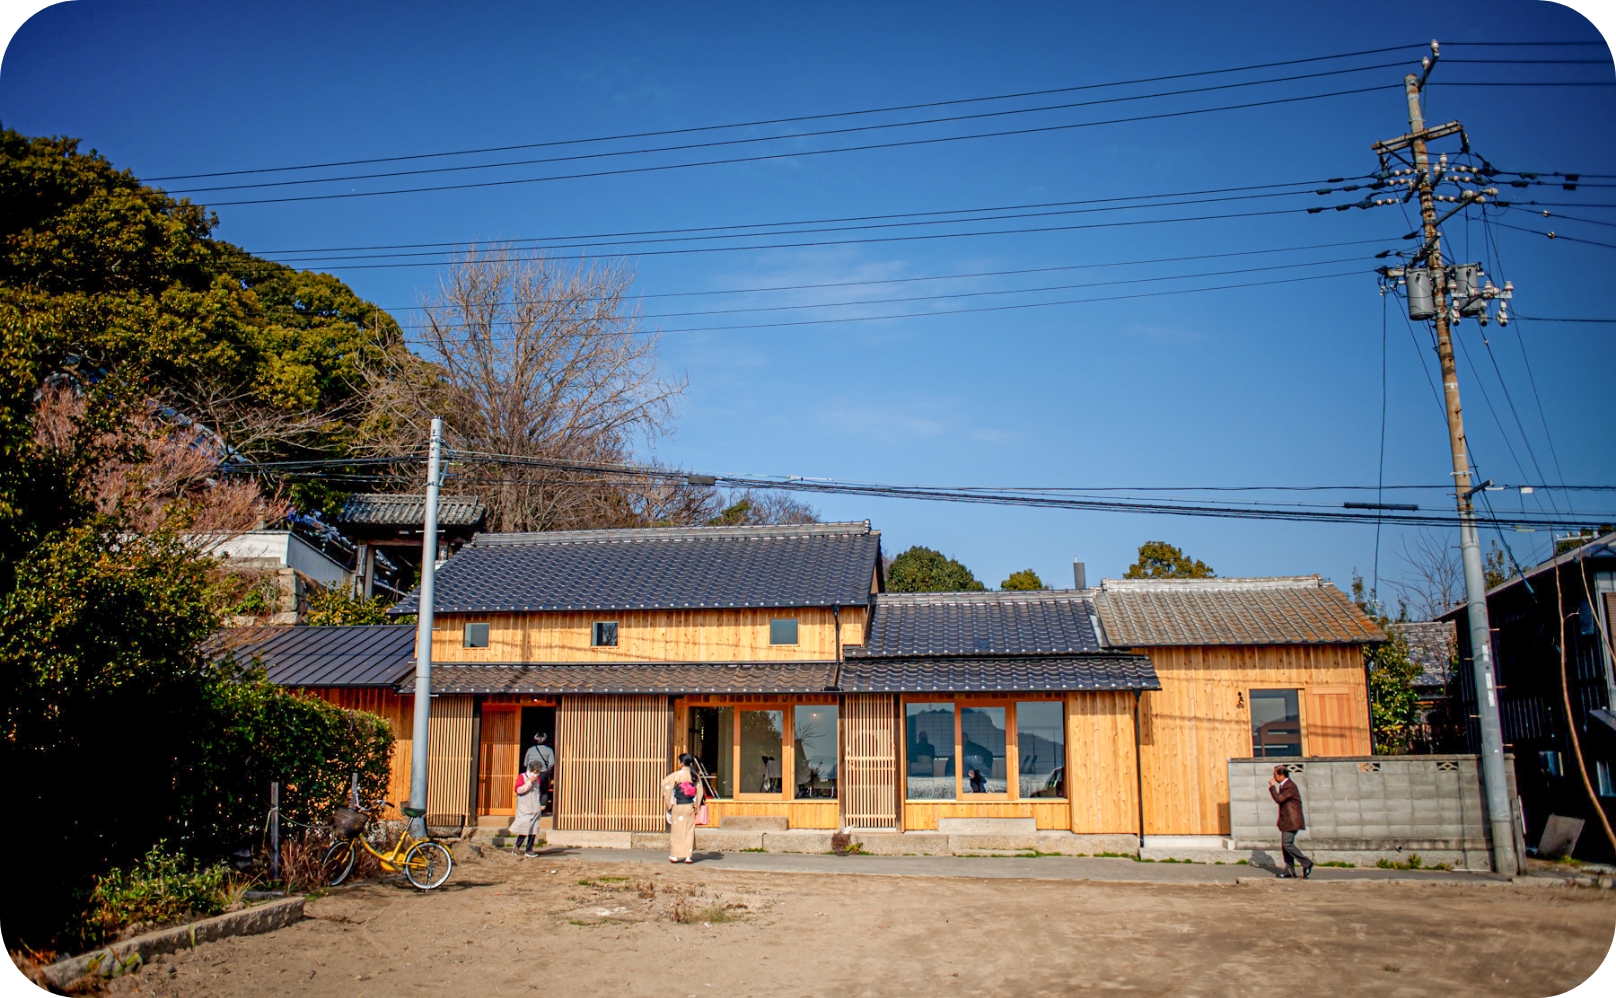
(1271, 385)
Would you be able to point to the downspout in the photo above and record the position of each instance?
(836, 615)
(1138, 768)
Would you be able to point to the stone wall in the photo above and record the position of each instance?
(1363, 809)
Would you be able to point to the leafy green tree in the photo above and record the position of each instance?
(1394, 708)
(1025, 580)
(922, 570)
(330, 607)
(1160, 560)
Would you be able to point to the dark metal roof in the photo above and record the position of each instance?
(671, 678)
(299, 655)
(956, 624)
(817, 564)
(971, 675)
(1284, 610)
(377, 510)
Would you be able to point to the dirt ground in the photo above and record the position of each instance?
(566, 926)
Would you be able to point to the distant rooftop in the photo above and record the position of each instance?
(379, 510)
(1432, 645)
(301, 655)
(1294, 609)
(1043, 622)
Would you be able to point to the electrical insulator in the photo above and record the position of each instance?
(1421, 299)
(1503, 315)
(1467, 292)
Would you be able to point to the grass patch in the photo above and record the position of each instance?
(1242, 862)
(1391, 968)
(612, 880)
(1338, 863)
(757, 849)
(585, 923)
(1412, 863)
(711, 914)
(162, 888)
(1116, 855)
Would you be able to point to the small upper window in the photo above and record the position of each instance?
(476, 635)
(605, 634)
(783, 631)
(1602, 770)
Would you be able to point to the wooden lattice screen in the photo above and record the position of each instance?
(869, 788)
(612, 753)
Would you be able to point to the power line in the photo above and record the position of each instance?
(655, 168)
(787, 120)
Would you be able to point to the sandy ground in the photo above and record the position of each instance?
(569, 925)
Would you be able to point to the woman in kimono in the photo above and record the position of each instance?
(529, 805)
(683, 793)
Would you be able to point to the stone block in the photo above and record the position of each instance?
(966, 844)
(902, 843)
(577, 839)
(987, 826)
(753, 823)
(727, 840)
(649, 840)
(1071, 844)
(798, 840)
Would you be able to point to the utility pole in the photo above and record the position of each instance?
(416, 809)
(1500, 809)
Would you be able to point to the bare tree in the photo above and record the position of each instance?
(1433, 582)
(534, 361)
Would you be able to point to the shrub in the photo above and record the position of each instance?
(159, 889)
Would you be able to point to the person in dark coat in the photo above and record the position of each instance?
(1289, 800)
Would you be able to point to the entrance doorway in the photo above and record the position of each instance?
(535, 720)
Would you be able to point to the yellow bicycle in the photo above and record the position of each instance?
(426, 863)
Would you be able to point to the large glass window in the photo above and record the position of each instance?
(982, 764)
(1041, 748)
(814, 736)
(712, 741)
(762, 736)
(1276, 723)
(930, 749)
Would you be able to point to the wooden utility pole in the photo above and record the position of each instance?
(1500, 809)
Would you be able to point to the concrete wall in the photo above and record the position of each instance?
(1365, 808)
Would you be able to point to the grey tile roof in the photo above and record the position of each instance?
(822, 564)
(1288, 610)
(1022, 673)
(373, 509)
(299, 655)
(671, 678)
(1432, 645)
(1022, 623)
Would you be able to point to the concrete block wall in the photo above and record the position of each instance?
(1361, 809)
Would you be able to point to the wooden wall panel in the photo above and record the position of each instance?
(611, 755)
(1101, 780)
(869, 766)
(1199, 719)
(798, 814)
(499, 760)
(448, 773)
(648, 636)
(921, 816)
(1328, 723)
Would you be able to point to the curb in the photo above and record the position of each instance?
(131, 954)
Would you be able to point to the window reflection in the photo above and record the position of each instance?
(814, 734)
(762, 735)
(1276, 724)
(1041, 748)
(930, 751)
(983, 769)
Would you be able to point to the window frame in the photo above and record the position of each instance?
(787, 706)
(466, 631)
(1251, 726)
(796, 631)
(594, 634)
(1012, 745)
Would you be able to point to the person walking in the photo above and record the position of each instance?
(525, 826)
(1289, 800)
(683, 793)
(544, 755)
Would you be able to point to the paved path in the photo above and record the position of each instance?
(1018, 868)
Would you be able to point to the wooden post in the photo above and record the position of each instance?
(275, 830)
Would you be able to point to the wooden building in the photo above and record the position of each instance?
(1567, 602)
(810, 695)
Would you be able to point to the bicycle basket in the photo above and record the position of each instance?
(346, 823)
(445, 826)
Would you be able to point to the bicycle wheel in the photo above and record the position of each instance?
(428, 865)
(338, 862)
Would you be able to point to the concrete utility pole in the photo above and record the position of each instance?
(423, 638)
(1500, 809)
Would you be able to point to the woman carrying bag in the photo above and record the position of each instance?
(683, 794)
